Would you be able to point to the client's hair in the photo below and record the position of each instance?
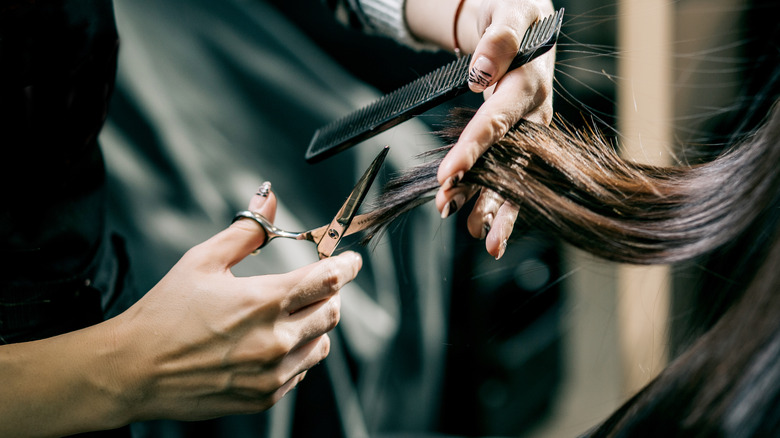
(574, 185)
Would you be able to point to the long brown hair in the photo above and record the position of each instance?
(573, 184)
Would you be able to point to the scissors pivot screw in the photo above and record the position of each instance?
(340, 226)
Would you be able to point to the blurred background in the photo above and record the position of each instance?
(213, 99)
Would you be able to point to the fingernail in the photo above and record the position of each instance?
(486, 226)
(482, 73)
(455, 203)
(445, 212)
(501, 250)
(264, 190)
(452, 181)
(485, 231)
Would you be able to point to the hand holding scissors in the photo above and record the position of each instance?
(345, 223)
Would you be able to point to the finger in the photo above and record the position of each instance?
(262, 398)
(499, 234)
(243, 236)
(500, 41)
(480, 220)
(515, 99)
(452, 200)
(306, 356)
(518, 95)
(495, 51)
(317, 281)
(313, 320)
(275, 381)
(287, 387)
(295, 365)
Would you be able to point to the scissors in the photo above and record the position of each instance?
(345, 223)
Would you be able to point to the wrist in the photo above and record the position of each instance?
(465, 27)
(444, 22)
(127, 369)
(96, 378)
(60, 386)
(118, 372)
(432, 21)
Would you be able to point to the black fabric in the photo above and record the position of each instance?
(57, 68)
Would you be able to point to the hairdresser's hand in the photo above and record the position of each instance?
(204, 343)
(492, 31)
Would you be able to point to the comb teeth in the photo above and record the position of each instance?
(538, 39)
(389, 110)
(422, 94)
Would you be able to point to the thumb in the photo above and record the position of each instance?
(501, 41)
(243, 236)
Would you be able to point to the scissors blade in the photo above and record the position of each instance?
(339, 226)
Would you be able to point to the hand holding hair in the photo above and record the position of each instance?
(492, 30)
(202, 343)
(575, 186)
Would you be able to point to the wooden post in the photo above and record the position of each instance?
(645, 109)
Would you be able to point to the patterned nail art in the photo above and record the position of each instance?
(479, 77)
(452, 181)
(487, 225)
(485, 231)
(481, 73)
(453, 205)
(264, 190)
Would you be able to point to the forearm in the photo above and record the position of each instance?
(438, 21)
(61, 385)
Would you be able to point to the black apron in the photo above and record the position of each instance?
(58, 268)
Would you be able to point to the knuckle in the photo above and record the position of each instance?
(334, 313)
(270, 382)
(330, 279)
(273, 352)
(195, 256)
(500, 124)
(503, 37)
(324, 347)
(544, 88)
(542, 114)
(546, 114)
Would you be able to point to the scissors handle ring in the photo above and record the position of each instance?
(271, 231)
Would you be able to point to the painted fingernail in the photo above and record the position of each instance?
(455, 203)
(452, 181)
(485, 231)
(445, 212)
(481, 73)
(264, 190)
(501, 249)
(486, 226)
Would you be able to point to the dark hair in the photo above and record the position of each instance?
(574, 185)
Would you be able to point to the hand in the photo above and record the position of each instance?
(204, 343)
(492, 30)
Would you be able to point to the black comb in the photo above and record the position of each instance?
(421, 95)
